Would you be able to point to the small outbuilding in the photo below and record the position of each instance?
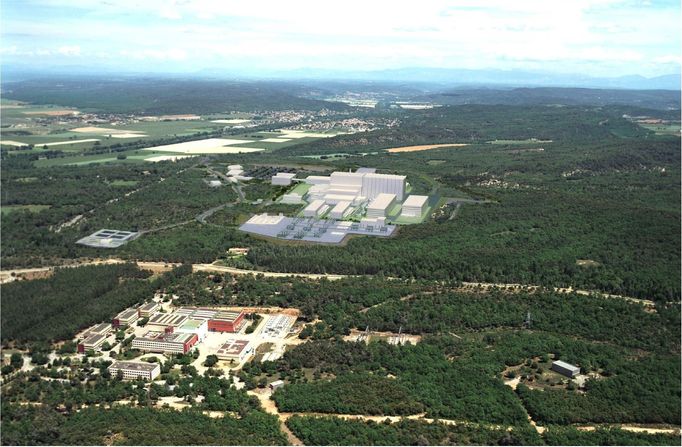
(276, 384)
(565, 369)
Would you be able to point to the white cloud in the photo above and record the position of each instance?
(72, 50)
(361, 33)
(172, 54)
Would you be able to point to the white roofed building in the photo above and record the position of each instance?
(380, 205)
(341, 210)
(282, 178)
(414, 206)
(315, 208)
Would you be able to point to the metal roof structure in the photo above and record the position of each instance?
(106, 238)
(565, 365)
(134, 366)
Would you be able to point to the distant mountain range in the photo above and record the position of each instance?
(429, 78)
(511, 78)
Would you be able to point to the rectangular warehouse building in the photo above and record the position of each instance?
(135, 370)
(93, 342)
(340, 210)
(282, 178)
(316, 208)
(166, 343)
(565, 369)
(380, 205)
(101, 329)
(125, 318)
(226, 321)
(414, 206)
(147, 309)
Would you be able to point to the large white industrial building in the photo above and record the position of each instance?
(315, 208)
(282, 178)
(355, 187)
(414, 206)
(380, 205)
(340, 210)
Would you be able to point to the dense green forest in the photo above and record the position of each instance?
(161, 96)
(349, 394)
(459, 378)
(73, 299)
(26, 425)
(336, 431)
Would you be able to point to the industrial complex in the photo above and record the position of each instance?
(344, 203)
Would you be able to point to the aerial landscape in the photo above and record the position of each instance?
(444, 223)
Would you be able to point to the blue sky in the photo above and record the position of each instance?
(594, 37)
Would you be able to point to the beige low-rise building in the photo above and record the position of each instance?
(135, 370)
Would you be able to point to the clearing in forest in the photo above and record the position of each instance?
(423, 147)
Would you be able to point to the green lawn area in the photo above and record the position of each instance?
(663, 129)
(301, 189)
(528, 141)
(123, 183)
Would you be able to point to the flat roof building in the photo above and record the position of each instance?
(101, 329)
(340, 210)
(315, 208)
(565, 369)
(197, 327)
(167, 343)
(135, 370)
(147, 309)
(236, 350)
(282, 178)
(264, 219)
(218, 320)
(414, 206)
(380, 205)
(125, 318)
(94, 342)
(161, 320)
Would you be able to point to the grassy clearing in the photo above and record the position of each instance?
(300, 188)
(663, 129)
(6, 209)
(526, 141)
(123, 183)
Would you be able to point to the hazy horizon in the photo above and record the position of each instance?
(593, 38)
